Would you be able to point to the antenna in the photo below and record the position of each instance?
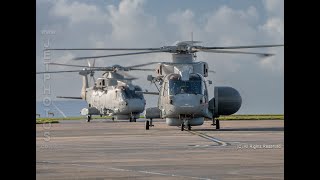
(194, 54)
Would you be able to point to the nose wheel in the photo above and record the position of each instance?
(148, 124)
(182, 127)
(216, 122)
(88, 118)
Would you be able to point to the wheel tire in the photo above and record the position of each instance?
(182, 127)
(189, 127)
(88, 118)
(130, 119)
(134, 120)
(217, 124)
(112, 118)
(147, 125)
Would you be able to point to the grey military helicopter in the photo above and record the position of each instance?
(112, 94)
(183, 94)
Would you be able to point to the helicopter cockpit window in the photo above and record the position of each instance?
(193, 86)
(132, 93)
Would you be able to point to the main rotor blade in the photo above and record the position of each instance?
(43, 72)
(68, 97)
(239, 47)
(103, 49)
(124, 54)
(235, 52)
(128, 76)
(72, 65)
(58, 71)
(140, 65)
(141, 69)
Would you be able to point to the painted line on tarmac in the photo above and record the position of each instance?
(127, 170)
(220, 142)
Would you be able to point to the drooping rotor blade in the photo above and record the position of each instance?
(239, 47)
(43, 72)
(68, 97)
(127, 75)
(72, 65)
(123, 54)
(58, 71)
(147, 92)
(102, 49)
(130, 79)
(212, 71)
(235, 52)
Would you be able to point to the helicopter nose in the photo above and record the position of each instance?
(135, 105)
(188, 104)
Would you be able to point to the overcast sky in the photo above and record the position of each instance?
(153, 23)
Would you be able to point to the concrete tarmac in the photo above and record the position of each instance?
(103, 149)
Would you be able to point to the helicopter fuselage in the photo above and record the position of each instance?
(183, 100)
(120, 102)
(183, 97)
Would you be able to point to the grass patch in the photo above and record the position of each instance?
(42, 121)
(253, 117)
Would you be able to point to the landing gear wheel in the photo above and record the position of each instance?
(151, 122)
(88, 118)
(147, 125)
(134, 120)
(217, 124)
(189, 127)
(112, 118)
(130, 119)
(182, 127)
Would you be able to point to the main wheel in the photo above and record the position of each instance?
(134, 120)
(189, 127)
(88, 118)
(217, 124)
(182, 127)
(147, 125)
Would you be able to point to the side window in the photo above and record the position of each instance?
(165, 89)
(205, 93)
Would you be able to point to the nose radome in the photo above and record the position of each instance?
(136, 105)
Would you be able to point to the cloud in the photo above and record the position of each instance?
(131, 23)
(273, 29)
(274, 7)
(78, 12)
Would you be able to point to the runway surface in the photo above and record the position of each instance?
(103, 149)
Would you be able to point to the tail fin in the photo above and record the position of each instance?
(84, 86)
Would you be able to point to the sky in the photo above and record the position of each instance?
(153, 23)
